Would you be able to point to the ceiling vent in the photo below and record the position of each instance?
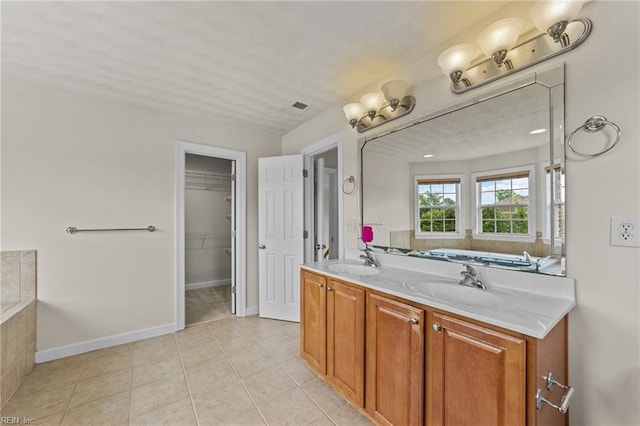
(297, 108)
(300, 105)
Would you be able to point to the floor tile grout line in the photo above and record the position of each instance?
(306, 393)
(75, 386)
(186, 379)
(235, 371)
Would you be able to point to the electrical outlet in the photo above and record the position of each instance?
(625, 231)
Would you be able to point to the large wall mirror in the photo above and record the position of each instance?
(481, 182)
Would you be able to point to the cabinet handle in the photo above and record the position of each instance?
(564, 402)
(329, 289)
(414, 321)
(320, 285)
(436, 326)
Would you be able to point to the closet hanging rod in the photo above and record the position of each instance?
(201, 174)
(73, 230)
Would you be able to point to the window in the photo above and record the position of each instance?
(438, 206)
(555, 180)
(505, 202)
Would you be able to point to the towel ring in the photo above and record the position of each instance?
(350, 180)
(592, 125)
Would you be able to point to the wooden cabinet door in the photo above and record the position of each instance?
(313, 320)
(395, 362)
(345, 339)
(477, 375)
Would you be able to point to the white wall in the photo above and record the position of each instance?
(602, 77)
(388, 197)
(76, 160)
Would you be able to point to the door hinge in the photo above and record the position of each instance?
(305, 234)
(233, 289)
(233, 178)
(233, 234)
(305, 173)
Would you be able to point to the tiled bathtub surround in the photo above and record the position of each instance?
(17, 319)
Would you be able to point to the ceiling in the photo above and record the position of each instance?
(243, 63)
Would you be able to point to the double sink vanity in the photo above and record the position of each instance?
(409, 347)
(463, 321)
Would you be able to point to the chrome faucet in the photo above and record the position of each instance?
(368, 258)
(528, 258)
(470, 278)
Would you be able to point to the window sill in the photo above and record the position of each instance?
(502, 237)
(439, 236)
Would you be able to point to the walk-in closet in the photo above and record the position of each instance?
(209, 217)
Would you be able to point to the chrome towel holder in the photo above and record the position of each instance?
(73, 230)
(592, 125)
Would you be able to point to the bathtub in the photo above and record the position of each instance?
(17, 319)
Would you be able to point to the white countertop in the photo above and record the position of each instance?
(531, 304)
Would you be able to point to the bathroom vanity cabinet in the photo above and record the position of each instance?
(395, 361)
(333, 332)
(407, 363)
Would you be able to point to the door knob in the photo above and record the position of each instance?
(262, 246)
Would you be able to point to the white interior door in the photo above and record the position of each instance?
(233, 237)
(331, 213)
(280, 236)
(320, 243)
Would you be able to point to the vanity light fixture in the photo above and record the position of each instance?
(537, 131)
(553, 17)
(428, 155)
(376, 108)
(498, 38)
(560, 31)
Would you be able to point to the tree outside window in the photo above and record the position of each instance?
(438, 205)
(504, 203)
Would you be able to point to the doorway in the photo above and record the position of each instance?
(210, 233)
(323, 201)
(209, 201)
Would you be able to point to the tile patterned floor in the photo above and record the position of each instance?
(235, 371)
(207, 304)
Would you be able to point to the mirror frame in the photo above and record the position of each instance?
(551, 78)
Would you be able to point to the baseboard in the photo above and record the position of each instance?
(252, 310)
(207, 284)
(103, 342)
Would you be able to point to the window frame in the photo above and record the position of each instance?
(461, 187)
(532, 204)
(549, 220)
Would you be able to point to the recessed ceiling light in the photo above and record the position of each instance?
(428, 155)
(537, 131)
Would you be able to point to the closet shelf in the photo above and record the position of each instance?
(200, 235)
(208, 181)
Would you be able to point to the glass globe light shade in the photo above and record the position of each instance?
(500, 36)
(545, 14)
(456, 58)
(372, 101)
(395, 89)
(354, 111)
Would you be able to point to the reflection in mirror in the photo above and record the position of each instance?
(481, 182)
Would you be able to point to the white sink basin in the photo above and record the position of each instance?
(455, 293)
(347, 268)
